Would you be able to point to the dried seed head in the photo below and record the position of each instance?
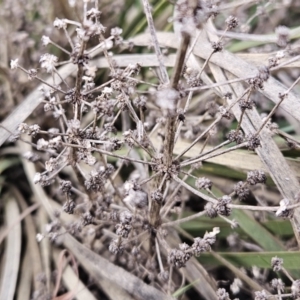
(296, 289)
(203, 183)
(29, 155)
(164, 276)
(211, 210)
(125, 217)
(59, 23)
(116, 247)
(14, 63)
(235, 136)
(157, 196)
(48, 61)
(241, 190)
(222, 208)
(23, 127)
(276, 263)
(222, 294)
(283, 34)
(86, 219)
(137, 199)
(232, 22)
(42, 144)
(123, 230)
(236, 285)
(65, 186)
(277, 284)
(69, 207)
(253, 142)
(178, 258)
(32, 73)
(258, 81)
(283, 211)
(256, 176)
(225, 114)
(217, 46)
(51, 164)
(204, 244)
(246, 103)
(261, 295)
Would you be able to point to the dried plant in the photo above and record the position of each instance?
(118, 154)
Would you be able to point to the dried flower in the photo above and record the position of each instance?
(283, 211)
(59, 23)
(23, 127)
(48, 61)
(45, 40)
(14, 63)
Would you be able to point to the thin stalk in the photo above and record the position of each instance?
(164, 78)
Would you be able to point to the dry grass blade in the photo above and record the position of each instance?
(72, 282)
(45, 248)
(30, 229)
(98, 267)
(261, 58)
(26, 276)
(12, 250)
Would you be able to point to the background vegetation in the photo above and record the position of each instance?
(48, 253)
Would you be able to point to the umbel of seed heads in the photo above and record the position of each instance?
(179, 257)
